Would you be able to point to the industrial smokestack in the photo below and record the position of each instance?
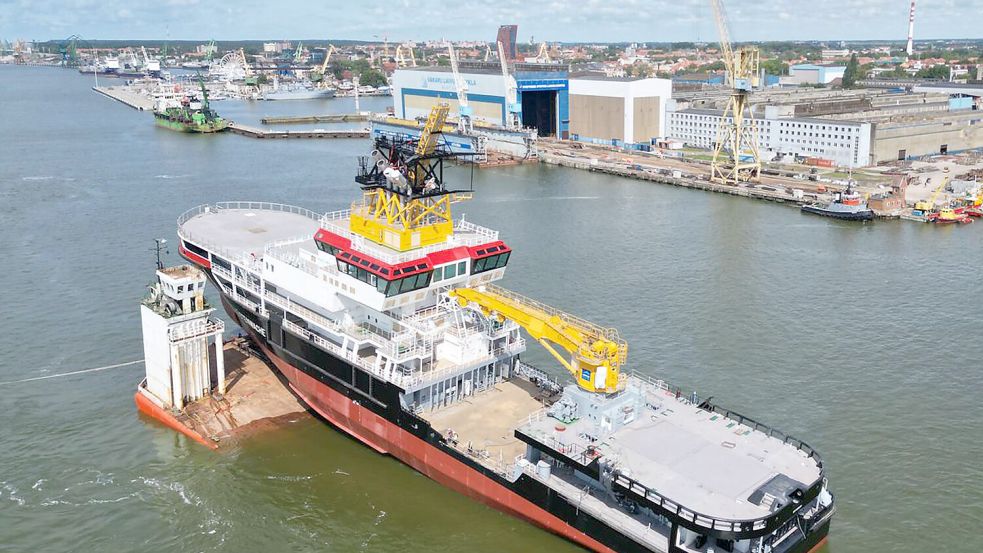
(911, 30)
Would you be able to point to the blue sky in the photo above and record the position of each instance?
(581, 20)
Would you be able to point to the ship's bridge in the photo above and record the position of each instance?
(469, 250)
(262, 236)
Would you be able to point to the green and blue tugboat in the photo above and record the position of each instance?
(189, 114)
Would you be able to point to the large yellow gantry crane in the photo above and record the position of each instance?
(596, 354)
(735, 156)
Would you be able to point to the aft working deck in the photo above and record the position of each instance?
(710, 470)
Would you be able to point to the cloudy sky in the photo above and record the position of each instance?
(553, 20)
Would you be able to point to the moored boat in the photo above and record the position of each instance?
(295, 91)
(188, 114)
(847, 205)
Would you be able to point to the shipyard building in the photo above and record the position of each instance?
(828, 127)
(553, 100)
(847, 128)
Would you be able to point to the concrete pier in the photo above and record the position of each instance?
(335, 118)
(125, 96)
(254, 132)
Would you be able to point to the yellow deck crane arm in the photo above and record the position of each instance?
(596, 354)
(432, 128)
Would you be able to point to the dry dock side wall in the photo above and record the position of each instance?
(893, 141)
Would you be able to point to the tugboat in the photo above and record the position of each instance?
(189, 114)
(384, 319)
(847, 205)
(949, 216)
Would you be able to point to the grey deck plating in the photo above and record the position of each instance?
(703, 460)
(245, 232)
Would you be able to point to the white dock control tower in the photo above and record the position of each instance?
(177, 328)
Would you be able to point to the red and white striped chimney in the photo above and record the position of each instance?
(911, 30)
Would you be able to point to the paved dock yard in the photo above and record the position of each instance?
(125, 95)
(689, 173)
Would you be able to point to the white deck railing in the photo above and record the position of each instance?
(466, 233)
(206, 243)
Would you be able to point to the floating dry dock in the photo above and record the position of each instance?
(206, 389)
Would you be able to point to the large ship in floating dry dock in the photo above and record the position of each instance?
(385, 321)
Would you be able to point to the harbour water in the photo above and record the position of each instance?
(863, 340)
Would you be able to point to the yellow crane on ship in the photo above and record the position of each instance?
(736, 157)
(596, 354)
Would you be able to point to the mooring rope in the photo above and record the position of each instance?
(107, 367)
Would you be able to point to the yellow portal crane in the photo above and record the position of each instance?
(596, 354)
(735, 156)
(405, 57)
(929, 204)
(327, 58)
(319, 74)
(404, 204)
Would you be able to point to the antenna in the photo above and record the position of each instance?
(160, 244)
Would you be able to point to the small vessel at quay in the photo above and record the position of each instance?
(188, 114)
(847, 205)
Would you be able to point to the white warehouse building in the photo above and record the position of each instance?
(843, 143)
(550, 99)
(618, 110)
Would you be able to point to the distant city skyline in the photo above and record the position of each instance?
(546, 20)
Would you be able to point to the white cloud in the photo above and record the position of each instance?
(582, 20)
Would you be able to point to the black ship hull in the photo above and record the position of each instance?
(863, 215)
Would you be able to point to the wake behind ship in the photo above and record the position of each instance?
(385, 320)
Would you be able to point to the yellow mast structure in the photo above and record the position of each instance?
(735, 155)
(405, 206)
